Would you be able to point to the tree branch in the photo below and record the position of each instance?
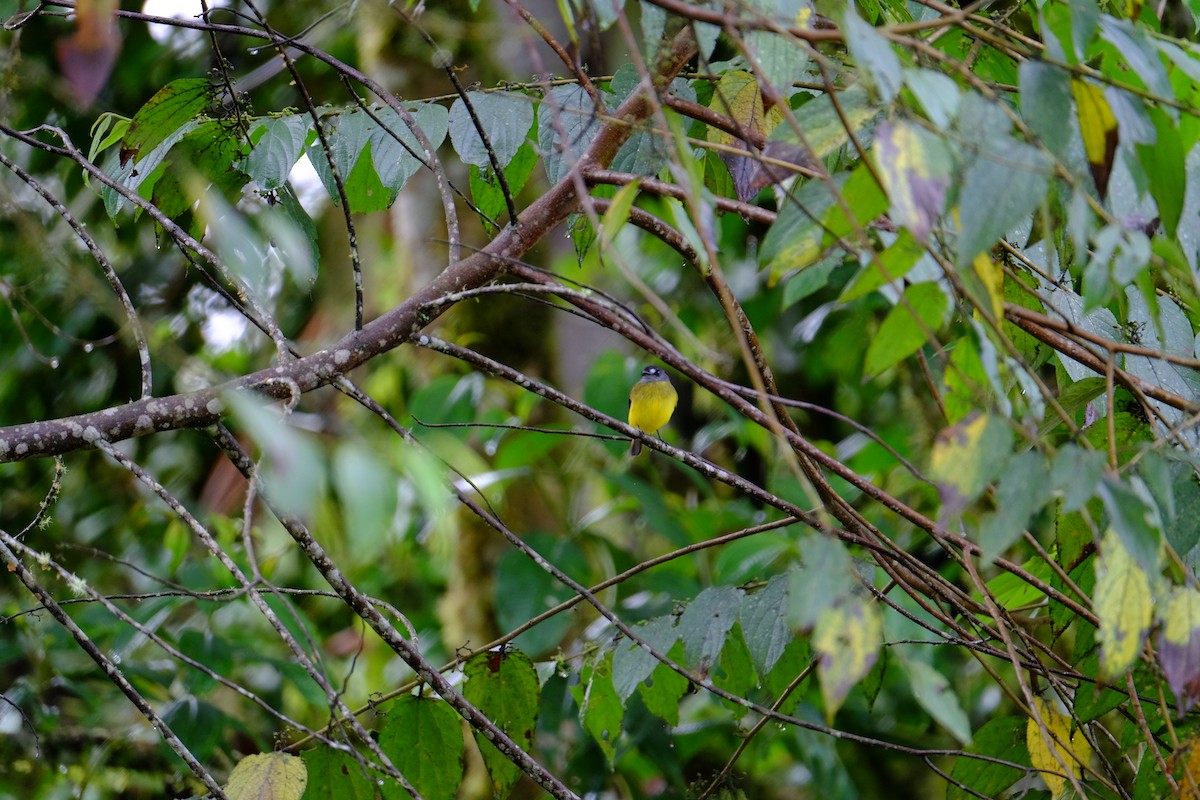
(206, 407)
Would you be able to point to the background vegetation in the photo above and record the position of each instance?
(320, 325)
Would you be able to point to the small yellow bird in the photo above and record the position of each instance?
(651, 403)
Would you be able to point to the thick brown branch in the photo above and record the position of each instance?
(1068, 347)
(205, 407)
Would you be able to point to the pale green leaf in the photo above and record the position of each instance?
(874, 54)
(1045, 93)
(267, 776)
(278, 143)
(291, 467)
(822, 579)
(366, 490)
(847, 640)
(937, 696)
(967, 456)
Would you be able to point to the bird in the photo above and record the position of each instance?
(651, 402)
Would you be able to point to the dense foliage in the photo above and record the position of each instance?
(320, 326)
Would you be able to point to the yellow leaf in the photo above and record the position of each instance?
(1183, 615)
(993, 279)
(738, 97)
(268, 776)
(1123, 605)
(1098, 125)
(847, 639)
(1064, 754)
(915, 166)
(966, 457)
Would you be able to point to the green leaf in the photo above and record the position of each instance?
(278, 143)
(824, 129)
(736, 673)
(504, 686)
(199, 725)
(211, 650)
(705, 623)
(966, 380)
(937, 696)
(887, 268)
(1123, 604)
(424, 739)
(915, 166)
(907, 327)
(1045, 94)
(937, 93)
(524, 590)
(108, 129)
(1075, 473)
(663, 690)
(632, 664)
(1166, 173)
(485, 189)
(1094, 700)
(332, 773)
(1144, 62)
(823, 578)
(764, 618)
(1161, 325)
(347, 134)
(1003, 739)
(567, 123)
(618, 213)
(292, 467)
(1098, 321)
(779, 57)
(1023, 489)
(967, 457)
(809, 280)
(1001, 187)
(1012, 592)
(600, 708)
(812, 220)
(874, 55)
(133, 173)
(506, 119)
(366, 489)
(268, 776)
(396, 152)
(163, 115)
(847, 640)
(1133, 515)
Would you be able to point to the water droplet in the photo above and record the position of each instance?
(54, 363)
(88, 347)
